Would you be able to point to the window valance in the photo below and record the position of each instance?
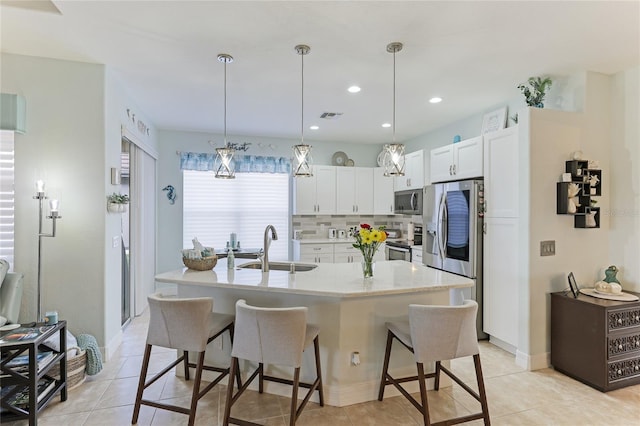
(242, 163)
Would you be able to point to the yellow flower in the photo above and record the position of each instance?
(367, 239)
(375, 235)
(383, 236)
(364, 233)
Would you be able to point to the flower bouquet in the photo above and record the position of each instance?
(368, 239)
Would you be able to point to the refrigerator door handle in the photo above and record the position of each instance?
(445, 219)
(440, 231)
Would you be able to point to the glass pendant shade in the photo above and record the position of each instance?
(393, 159)
(223, 166)
(302, 160)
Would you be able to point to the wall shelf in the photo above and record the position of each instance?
(589, 182)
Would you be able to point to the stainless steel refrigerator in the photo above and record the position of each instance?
(452, 235)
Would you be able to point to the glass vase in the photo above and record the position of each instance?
(367, 268)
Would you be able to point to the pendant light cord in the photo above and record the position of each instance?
(302, 102)
(225, 104)
(393, 137)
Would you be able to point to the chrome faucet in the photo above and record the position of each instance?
(267, 242)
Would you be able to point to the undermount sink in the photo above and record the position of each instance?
(280, 266)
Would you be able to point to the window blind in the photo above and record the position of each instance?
(214, 208)
(7, 196)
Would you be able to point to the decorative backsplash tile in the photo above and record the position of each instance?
(318, 226)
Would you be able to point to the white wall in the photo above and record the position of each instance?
(74, 116)
(169, 241)
(63, 145)
(624, 212)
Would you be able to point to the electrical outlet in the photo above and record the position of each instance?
(115, 241)
(355, 358)
(548, 248)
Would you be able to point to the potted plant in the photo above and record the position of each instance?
(534, 90)
(117, 203)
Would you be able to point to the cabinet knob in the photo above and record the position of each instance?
(619, 320)
(637, 318)
(620, 347)
(619, 372)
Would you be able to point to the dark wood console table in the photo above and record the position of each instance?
(596, 341)
(16, 380)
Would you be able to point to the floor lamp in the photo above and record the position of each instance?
(55, 215)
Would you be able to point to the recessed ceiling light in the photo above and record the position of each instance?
(435, 100)
(354, 89)
(314, 127)
(385, 125)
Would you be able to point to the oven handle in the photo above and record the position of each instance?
(400, 249)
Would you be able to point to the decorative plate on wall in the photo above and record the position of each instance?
(339, 159)
(350, 163)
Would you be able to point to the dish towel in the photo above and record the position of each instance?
(88, 343)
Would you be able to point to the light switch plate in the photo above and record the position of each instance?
(548, 248)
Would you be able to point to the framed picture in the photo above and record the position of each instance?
(494, 120)
(573, 285)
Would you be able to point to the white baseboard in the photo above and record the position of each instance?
(112, 346)
(533, 362)
(503, 345)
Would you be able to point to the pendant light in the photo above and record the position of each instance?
(223, 166)
(302, 151)
(394, 152)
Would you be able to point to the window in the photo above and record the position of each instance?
(7, 196)
(214, 208)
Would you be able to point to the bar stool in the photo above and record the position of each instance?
(273, 336)
(437, 333)
(186, 325)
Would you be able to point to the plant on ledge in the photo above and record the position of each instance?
(118, 198)
(368, 241)
(117, 203)
(535, 90)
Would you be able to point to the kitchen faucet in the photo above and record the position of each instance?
(267, 242)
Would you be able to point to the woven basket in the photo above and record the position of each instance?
(76, 364)
(204, 264)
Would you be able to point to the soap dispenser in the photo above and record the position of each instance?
(231, 259)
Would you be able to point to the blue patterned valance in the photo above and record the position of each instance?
(242, 163)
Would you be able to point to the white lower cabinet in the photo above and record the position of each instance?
(346, 253)
(500, 279)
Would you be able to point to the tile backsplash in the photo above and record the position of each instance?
(318, 226)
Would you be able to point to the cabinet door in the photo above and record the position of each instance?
(500, 279)
(501, 173)
(467, 158)
(383, 201)
(441, 164)
(324, 258)
(346, 190)
(305, 195)
(414, 169)
(325, 189)
(364, 190)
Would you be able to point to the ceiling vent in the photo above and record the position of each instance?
(330, 115)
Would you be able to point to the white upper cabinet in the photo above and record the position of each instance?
(462, 160)
(354, 190)
(413, 172)
(316, 194)
(383, 201)
(501, 173)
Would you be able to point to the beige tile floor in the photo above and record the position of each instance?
(516, 397)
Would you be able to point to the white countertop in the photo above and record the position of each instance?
(328, 279)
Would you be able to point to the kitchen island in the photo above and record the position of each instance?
(350, 311)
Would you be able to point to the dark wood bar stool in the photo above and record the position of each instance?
(435, 334)
(186, 325)
(273, 336)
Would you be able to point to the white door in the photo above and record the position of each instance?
(305, 195)
(468, 158)
(441, 164)
(501, 173)
(383, 202)
(143, 226)
(325, 189)
(364, 190)
(500, 279)
(345, 190)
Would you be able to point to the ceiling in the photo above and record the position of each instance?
(472, 54)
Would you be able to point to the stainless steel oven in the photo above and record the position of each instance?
(397, 250)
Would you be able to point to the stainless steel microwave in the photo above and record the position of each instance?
(408, 202)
